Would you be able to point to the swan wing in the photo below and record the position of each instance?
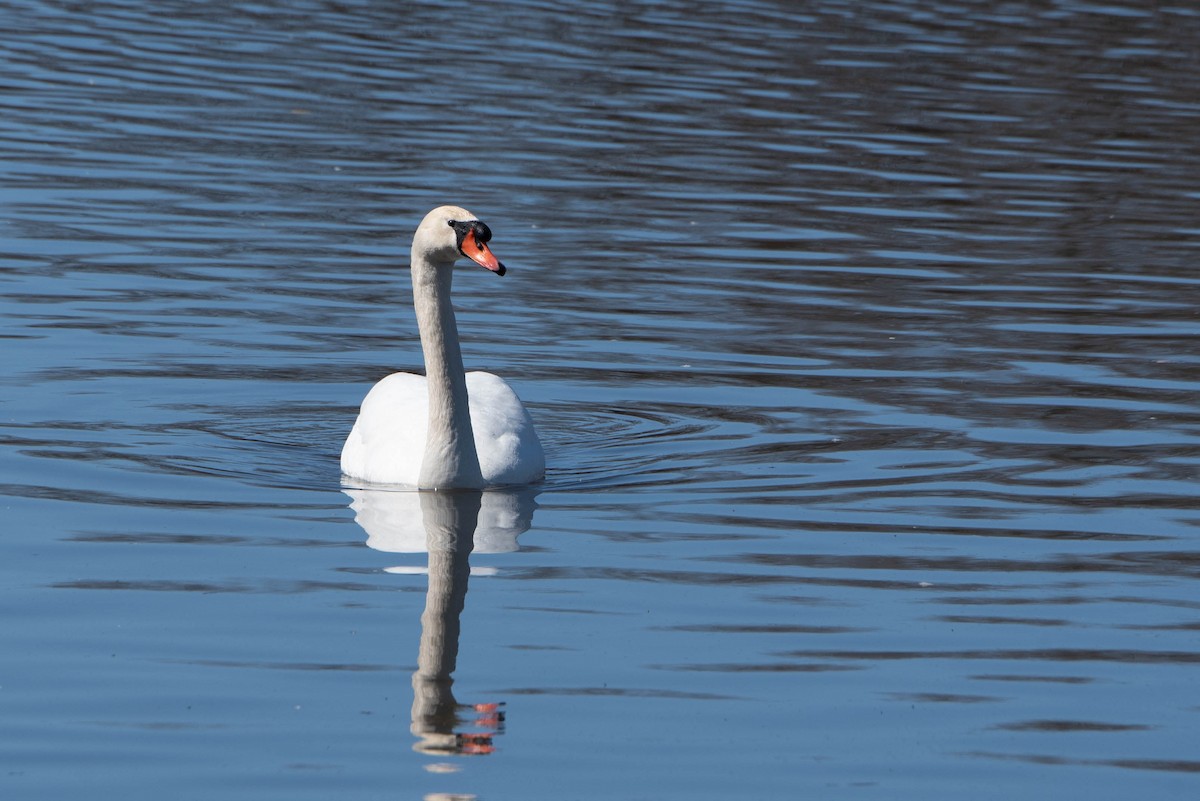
(387, 443)
(507, 444)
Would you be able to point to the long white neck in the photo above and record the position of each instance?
(450, 460)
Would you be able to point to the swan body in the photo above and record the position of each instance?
(392, 424)
(448, 429)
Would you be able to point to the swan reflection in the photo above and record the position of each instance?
(449, 526)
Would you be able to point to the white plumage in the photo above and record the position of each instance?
(447, 429)
(388, 439)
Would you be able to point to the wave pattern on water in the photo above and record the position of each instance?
(861, 336)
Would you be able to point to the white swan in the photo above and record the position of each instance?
(448, 429)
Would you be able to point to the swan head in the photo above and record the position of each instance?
(449, 232)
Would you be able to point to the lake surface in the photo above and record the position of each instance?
(862, 338)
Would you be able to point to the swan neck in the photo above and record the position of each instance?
(450, 459)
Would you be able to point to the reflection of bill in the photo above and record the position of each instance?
(449, 526)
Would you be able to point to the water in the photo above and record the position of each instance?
(861, 337)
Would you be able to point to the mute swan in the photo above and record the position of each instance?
(447, 429)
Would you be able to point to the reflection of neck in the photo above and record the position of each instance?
(450, 459)
(450, 521)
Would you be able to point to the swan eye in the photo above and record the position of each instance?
(480, 232)
(460, 231)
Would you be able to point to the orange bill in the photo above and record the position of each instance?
(480, 253)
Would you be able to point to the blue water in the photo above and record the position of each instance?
(861, 338)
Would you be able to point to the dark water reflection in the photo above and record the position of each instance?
(861, 337)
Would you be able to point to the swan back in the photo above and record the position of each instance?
(387, 443)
